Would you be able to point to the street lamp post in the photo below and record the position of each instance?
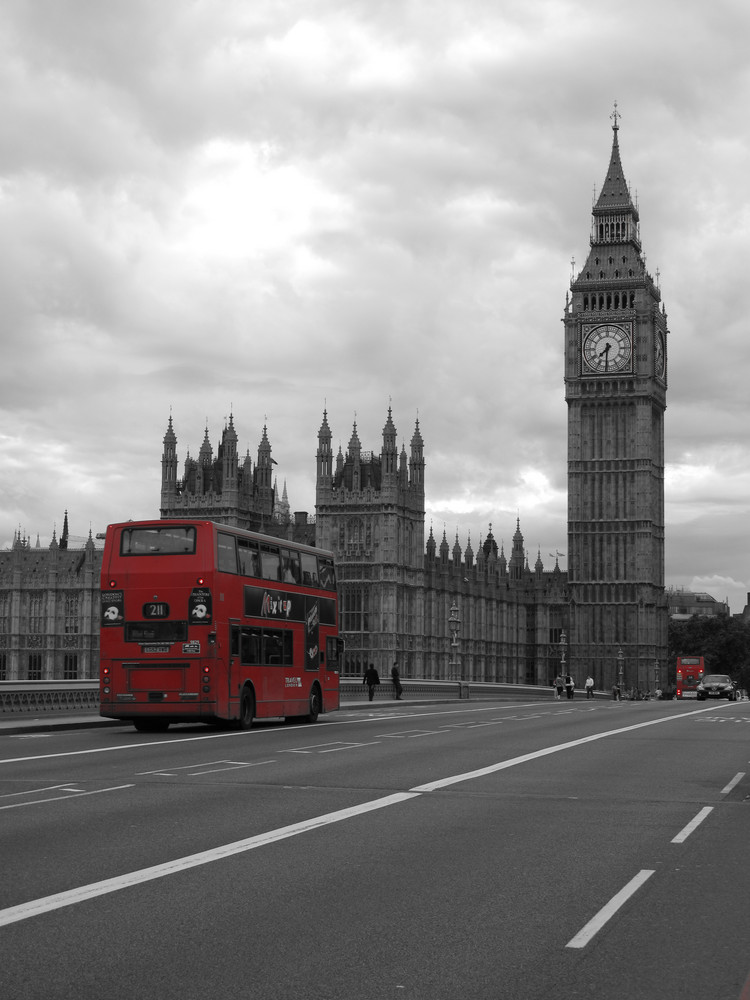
(656, 676)
(454, 624)
(620, 670)
(563, 646)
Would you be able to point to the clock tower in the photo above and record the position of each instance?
(615, 389)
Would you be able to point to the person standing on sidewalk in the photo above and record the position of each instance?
(559, 685)
(397, 689)
(589, 685)
(371, 679)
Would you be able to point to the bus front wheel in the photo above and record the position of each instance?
(247, 709)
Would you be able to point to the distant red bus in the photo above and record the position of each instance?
(690, 672)
(200, 621)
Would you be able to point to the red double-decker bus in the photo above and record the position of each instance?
(200, 621)
(689, 673)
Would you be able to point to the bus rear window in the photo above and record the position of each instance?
(156, 541)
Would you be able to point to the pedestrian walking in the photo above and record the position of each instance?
(589, 685)
(397, 689)
(570, 686)
(371, 679)
(559, 685)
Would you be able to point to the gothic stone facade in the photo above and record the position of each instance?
(222, 489)
(396, 591)
(49, 611)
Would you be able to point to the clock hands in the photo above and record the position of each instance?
(605, 354)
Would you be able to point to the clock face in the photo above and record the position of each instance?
(659, 359)
(607, 350)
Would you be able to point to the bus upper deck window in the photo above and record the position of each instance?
(290, 566)
(227, 553)
(269, 561)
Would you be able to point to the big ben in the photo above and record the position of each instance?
(615, 390)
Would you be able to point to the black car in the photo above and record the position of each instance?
(716, 686)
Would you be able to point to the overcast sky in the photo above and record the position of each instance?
(271, 207)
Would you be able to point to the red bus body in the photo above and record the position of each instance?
(690, 672)
(204, 622)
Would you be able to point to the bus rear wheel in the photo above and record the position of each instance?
(247, 709)
(314, 706)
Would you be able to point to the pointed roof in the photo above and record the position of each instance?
(325, 430)
(615, 194)
(170, 436)
(390, 430)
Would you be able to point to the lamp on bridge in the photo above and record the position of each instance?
(563, 647)
(454, 625)
(620, 670)
(656, 676)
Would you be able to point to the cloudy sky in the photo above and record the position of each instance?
(271, 207)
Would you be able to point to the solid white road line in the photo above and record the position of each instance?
(683, 835)
(36, 907)
(606, 913)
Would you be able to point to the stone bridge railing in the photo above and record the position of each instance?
(27, 697)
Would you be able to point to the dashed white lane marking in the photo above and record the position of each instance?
(683, 835)
(606, 913)
(735, 781)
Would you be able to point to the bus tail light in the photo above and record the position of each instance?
(206, 679)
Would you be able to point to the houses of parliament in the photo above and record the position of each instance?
(399, 583)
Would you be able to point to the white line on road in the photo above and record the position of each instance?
(432, 786)
(735, 781)
(64, 798)
(683, 835)
(606, 913)
(36, 907)
(374, 717)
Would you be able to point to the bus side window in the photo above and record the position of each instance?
(277, 648)
(227, 552)
(269, 561)
(290, 566)
(309, 569)
(250, 645)
(327, 574)
(234, 641)
(248, 553)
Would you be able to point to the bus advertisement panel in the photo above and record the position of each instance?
(689, 674)
(200, 621)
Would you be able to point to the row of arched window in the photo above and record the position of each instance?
(609, 300)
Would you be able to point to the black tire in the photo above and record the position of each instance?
(151, 725)
(247, 709)
(314, 705)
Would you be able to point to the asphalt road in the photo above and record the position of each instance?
(470, 850)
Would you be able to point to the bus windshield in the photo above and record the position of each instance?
(157, 541)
